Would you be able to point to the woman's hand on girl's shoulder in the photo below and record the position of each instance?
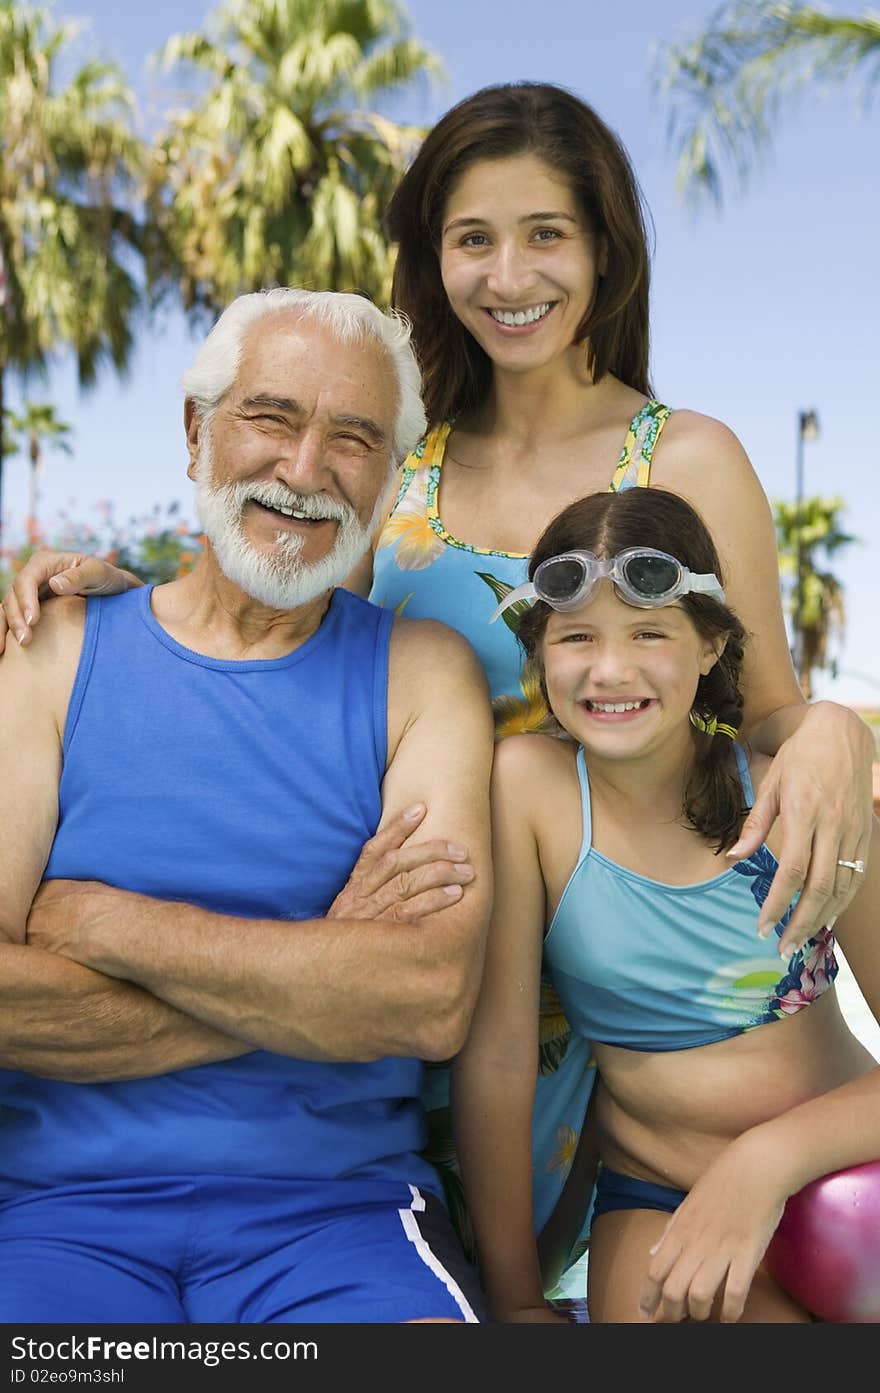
(819, 788)
(49, 573)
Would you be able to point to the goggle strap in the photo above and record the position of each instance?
(522, 592)
(705, 585)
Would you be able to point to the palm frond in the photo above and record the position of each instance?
(68, 175)
(396, 65)
(726, 88)
(271, 174)
(806, 531)
(197, 49)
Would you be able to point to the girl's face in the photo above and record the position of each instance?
(518, 260)
(622, 680)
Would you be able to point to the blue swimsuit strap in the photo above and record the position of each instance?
(742, 765)
(744, 773)
(586, 810)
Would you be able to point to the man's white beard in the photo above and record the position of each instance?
(278, 578)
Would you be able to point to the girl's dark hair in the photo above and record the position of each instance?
(520, 118)
(607, 523)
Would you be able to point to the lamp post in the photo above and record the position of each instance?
(807, 429)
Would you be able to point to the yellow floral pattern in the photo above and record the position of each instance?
(563, 1157)
(409, 526)
(526, 714)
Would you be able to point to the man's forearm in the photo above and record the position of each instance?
(317, 989)
(63, 1021)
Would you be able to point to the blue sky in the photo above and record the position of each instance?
(765, 309)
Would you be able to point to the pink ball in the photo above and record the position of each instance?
(826, 1250)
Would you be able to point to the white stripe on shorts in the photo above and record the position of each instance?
(413, 1233)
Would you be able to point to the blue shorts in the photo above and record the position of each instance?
(223, 1249)
(617, 1191)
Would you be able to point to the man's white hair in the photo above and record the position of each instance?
(350, 317)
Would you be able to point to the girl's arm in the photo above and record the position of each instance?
(720, 1233)
(493, 1080)
(569, 1214)
(820, 782)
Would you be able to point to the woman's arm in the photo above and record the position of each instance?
(720, 1233)
(820, 783)
(49, 573)
(493, 1080)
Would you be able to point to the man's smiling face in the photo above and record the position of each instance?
(294, 465)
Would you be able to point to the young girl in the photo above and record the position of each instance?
(728, 1078)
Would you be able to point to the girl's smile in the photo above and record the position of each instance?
(609, 711)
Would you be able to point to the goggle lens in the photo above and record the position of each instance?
(561, 578)
(651, 576)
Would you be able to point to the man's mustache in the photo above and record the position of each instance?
(315, 506)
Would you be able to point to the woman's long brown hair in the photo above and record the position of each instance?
(495, 123)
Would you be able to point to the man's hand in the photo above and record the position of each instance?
(401, 880)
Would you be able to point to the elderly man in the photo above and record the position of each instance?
(214, 1002)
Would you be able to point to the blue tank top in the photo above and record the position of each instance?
(651, 966)
(247, 788)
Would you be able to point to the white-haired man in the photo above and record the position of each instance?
(213, 1001)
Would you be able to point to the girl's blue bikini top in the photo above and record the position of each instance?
(651, 966)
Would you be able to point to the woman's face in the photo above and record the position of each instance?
(518, 260)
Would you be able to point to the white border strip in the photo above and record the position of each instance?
(413, 1233)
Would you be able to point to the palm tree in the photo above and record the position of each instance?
(276, 175)
(39, 426)
(817, 605)
(67, 164)
(728, 84)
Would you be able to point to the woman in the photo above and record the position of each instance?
(729, 1079)
(524, 268)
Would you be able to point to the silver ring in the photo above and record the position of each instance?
(857, 866)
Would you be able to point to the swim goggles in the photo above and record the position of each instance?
(641, 576)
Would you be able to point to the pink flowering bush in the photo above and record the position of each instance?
(157, 546)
